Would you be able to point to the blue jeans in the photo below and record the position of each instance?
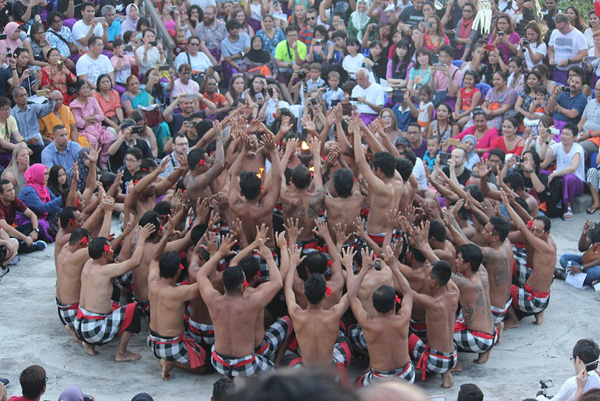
(593, 273)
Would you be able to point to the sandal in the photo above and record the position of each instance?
(592, 209)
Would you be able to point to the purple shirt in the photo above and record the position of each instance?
(420, 151)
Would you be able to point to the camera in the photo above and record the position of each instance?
(313, 101)
(3, 36)
(377, 265)
(153, 43)
(500, 33)
(8, 53)
(525, 42)
(565, 88)
(137, 129)
(518, 159)
(353, 99)
(128, 48)
(318, 41)
(301, 74)
(429, 25)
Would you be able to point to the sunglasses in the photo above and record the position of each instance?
(311, 18)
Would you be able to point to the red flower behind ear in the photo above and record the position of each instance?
(529, 223)
(398, 300)
(328, 291)
(71, 221)
(245, 283)
(329, 262)
(76, 202)
(181, 266)
(84, 241)
(107, 248)
(202, 162)
(135, 182)
(258, 274)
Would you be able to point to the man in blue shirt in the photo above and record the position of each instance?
(568, 106)
(60, 151)
(27, 116)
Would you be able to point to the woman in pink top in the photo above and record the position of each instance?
(505, 38)
(510, 142)
(484, 134)
(89, 117)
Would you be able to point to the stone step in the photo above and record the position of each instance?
(581, 203)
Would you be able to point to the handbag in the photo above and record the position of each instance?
(591, 254)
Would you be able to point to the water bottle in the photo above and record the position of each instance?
(569, 267)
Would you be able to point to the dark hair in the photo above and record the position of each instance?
(77, 235)
(425, 51)
(472, 255)
(314, 288)
(588, 351)
(232, 24)
(449, 50)
(250, 265)
(4, 101)
(163, 208)
(410, 155)
(385, 162)
(148, 164)
(54, 15)
(472, 73)
(437, 230)
(315, 263)
(441, 272)
(86, 4)
(291, 28)
(517, 60)
(222, 387)
(536, 158)
(404, 167)
(96, 247)
(168, 264)
(53, 184)
(33, 381)
(301, 176)
(469, 392)
(352, 42)
(591, 395)
(384, 299)
(538, 76)
(92, 40)
(233, 277)
(501, 227)
(142, 21)
(151, 217)
(406, 60)
(502, 75)
(80, 84)
(66, 215)
(337, 34)
(250, 184)
(571, 127)
(419, 257)
(499, 153)
(195, 156)
(546, 221)
(3, 182)
(516, 181)
(475, 191)
(343, 182)
(135, 152)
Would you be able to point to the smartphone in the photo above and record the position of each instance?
(99, 20)
(444, 157)
(128, 48)
(500, 33)
(353, 99)
(191, 96)
(163, 68)
(259, 96)
(525, 42)
(346, 109)
(546, 383)
(137, 129)
(153, 43)
(518, 159)
(41, 93)
(565, 88)
(435, 59)
(453, 142)
(3, 36)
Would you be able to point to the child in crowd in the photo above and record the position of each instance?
(433, 150)
(334, 93)
(539, 106)
(424, 113)
(469, 97)
(336, 53)
(180, 43)
(315, 81)
(354, 60)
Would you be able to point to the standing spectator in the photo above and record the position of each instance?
(60, 150)
(36, 196)
(533, 48)
(87, 27)
(567, 47)
(569, 176)
(89, 117)
(369, 97)
(93, 64)
(464, 35)
(568, 106)
(150, 54)
(211, 31)
(132, 16)
(33, 383)
(56, 75)
(289, 54)
(61, 115)
(27, 116)
(109, 101)
(412, 15)
(16, 169)
(505, 38)
(61, 38)
(306, 34)
(270, 35)
(233, 48)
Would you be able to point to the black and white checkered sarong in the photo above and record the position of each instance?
(357, 337)
(176, 349)
(432, 360)
(498, 315)
(246, 366)
(526, 300)
(100, 329)
(67, 313)
(521, 270)
(275, 335)
(406, 372)
(473, 341)
(203, 334)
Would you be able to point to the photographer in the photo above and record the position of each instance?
(567, 103)
(125, 140)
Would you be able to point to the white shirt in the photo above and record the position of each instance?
(564, 160)
(199, 62)
(352, 64)
(567, 46)
(373, 94)
(535, 48)
(419, 172)
(152, 61)
(569, 388)
(93, 68)
(80, 30)
(203, 3)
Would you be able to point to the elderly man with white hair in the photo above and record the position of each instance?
(369, 96)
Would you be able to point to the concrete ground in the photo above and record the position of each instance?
(31, 333)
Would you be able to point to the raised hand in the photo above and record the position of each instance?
(261, 233)
(360, 227)
(295, 253)
(227, 242)
(263, 250)
(368, 258)
(202, 209)
(347, 257)
(340, 234)
(145, 232)
(236, 227)
(212, 242)
(268, 141)
(213, 219)
(321, 230)
(292, 229)
(281, 240)
(292, 146)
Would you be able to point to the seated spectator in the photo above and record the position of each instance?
(133, 161)
(177, 121)
(390, 125)
(89, 117)
(86, 28)
(566, 48)
(376, 61)
(527, 96)
(132, 16)
(36, 196)
(271, 107)
(398, 69)
(464, 34)
(122, 64)
(193, 56)
(369, 97)
(505, 38)
(111, 24)
(418, 144)
(22, 75)
(56, 75)
(236, 88)
(585, 358)
(211, 31)
(93, 64)
(237, 14)
(61, 150)
(135, 96)
(421, 74)
(510, 141)
(27, 116)
(548, 83)
(447, 78)
(150, 54)
(468, 144)
(16, 169)
(566, 107)
(542, 134)
(33, 381)
(289, 61)
(144, 132)
(498, 100)
(569, 177)
(354, 59)
(319, 46)
(589, 125)
(516, 79)
(61, 38)
(485, 135)
(57, 179)
(212, 97)
(155, 86)
(270, 35)
(126, 139)
(61, 115)
(25, 12)
(256, 94)
(9, 132)
(233, 48)
(434, 37)
(334, 93)
(306, 34)
(185, 85)
(26, 233)
(258, 61)
(533, 49)
(468, 99)
(109, 101)
(180, 149)
(443, 126)
(37, 45)
(494, 64)
(12, 30)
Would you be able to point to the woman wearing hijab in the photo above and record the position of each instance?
(360, 22)
(468, 144)
(83, 164)
(12, 41)
(36, 196)
(258, 60)
(132, 13)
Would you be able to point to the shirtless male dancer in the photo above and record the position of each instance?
(98, 321)
(385, 331)
(167, 338)
(343, 206)
(532, 293)
(235, 314)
